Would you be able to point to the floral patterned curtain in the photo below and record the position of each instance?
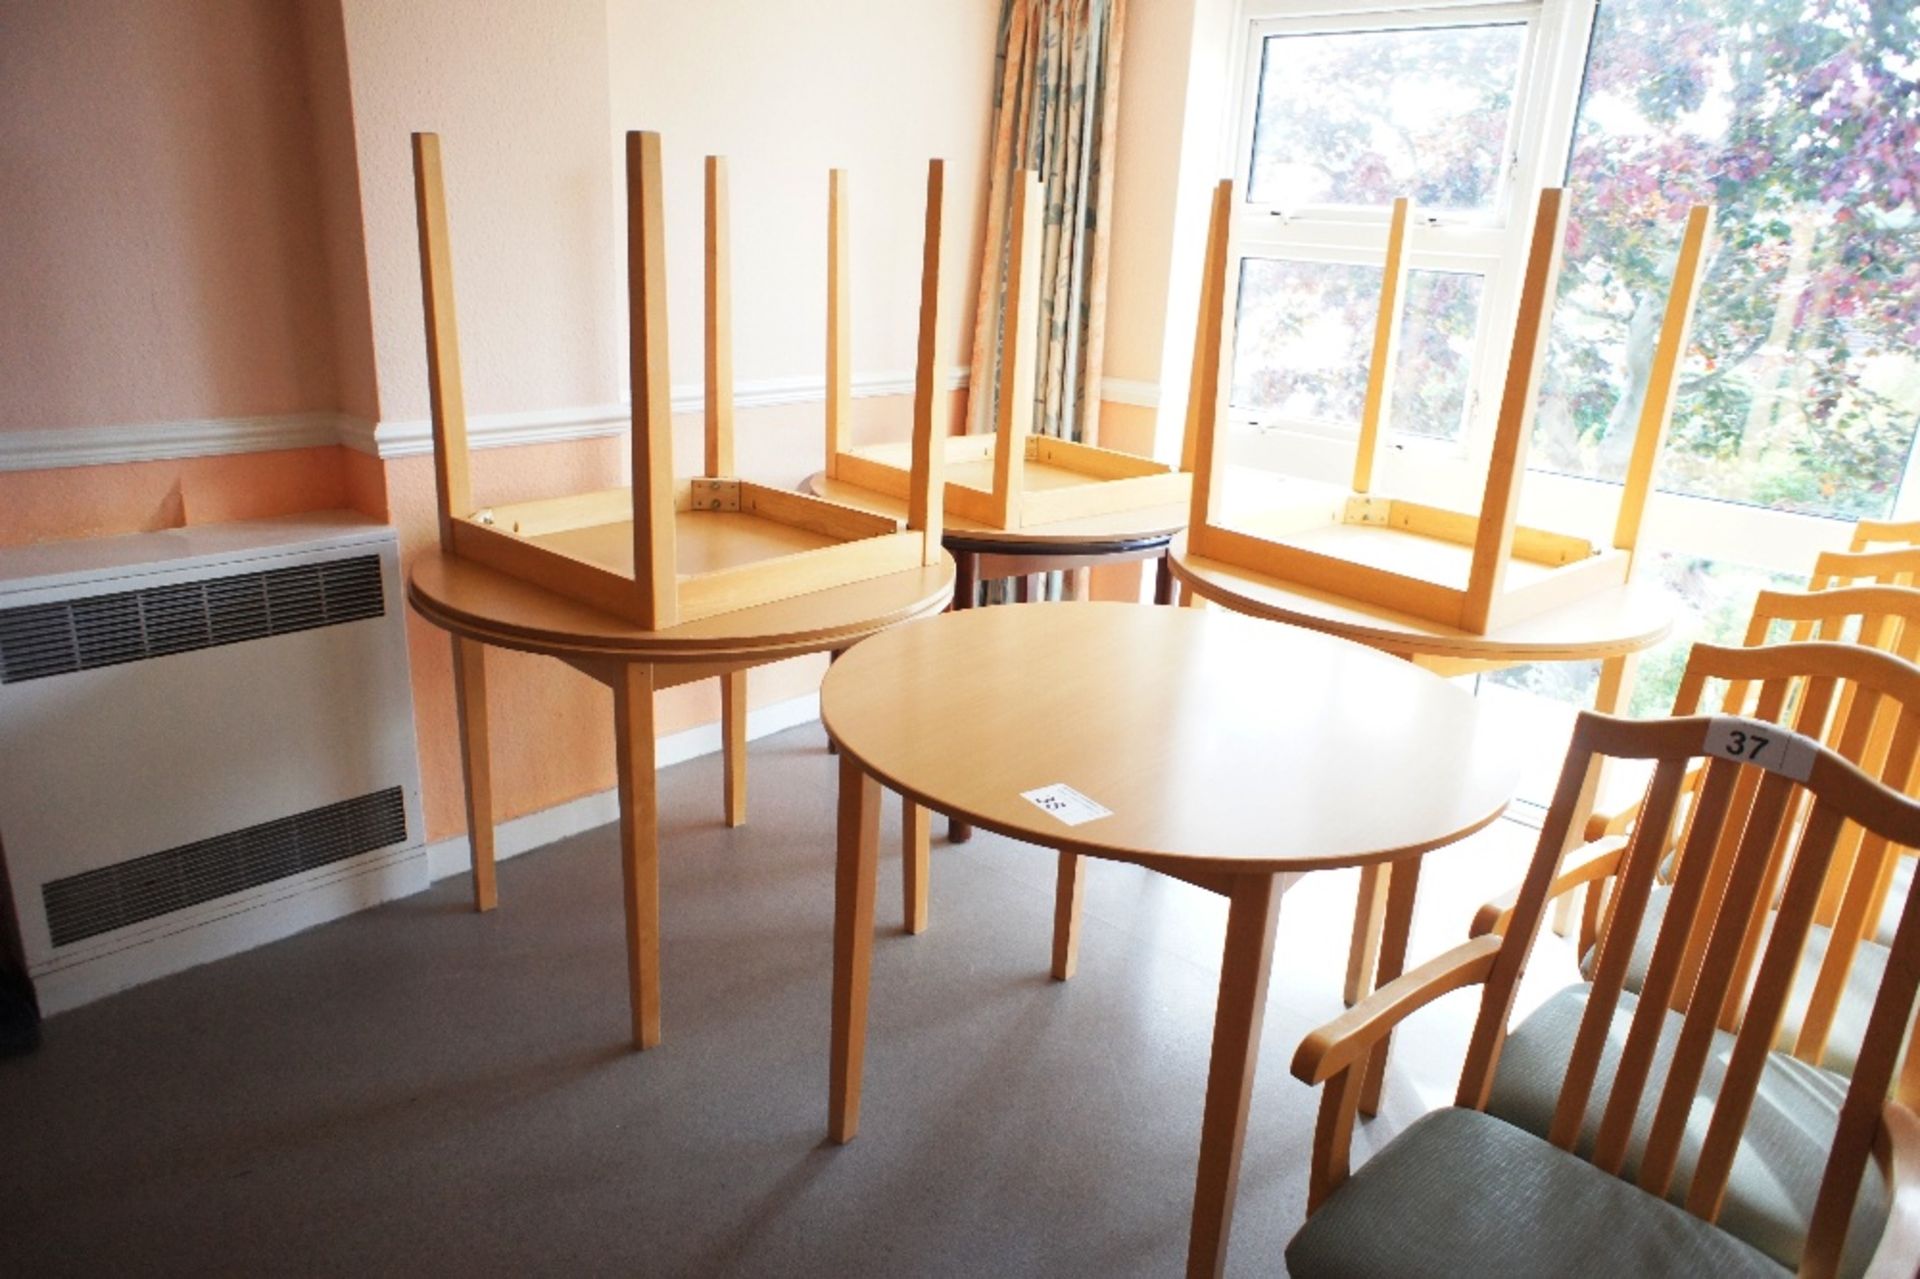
(1056, 110)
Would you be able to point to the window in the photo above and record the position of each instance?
(1361, 117)
(1799, 402)
(1344, 114)
(1305, 332)
(1802, 387)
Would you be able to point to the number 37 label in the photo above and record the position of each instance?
(1776, 749)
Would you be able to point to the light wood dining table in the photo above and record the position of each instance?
(482, 609)
(1227, 752)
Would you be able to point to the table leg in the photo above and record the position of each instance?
(1245, 965)
(1066, 915)
(1365, 947)
(916, 843)
(639, 844)
(1163, 592)
(1023, 588)
(966, 585)
(470, 709)
(853, 890)
(833, 747)
(966, 578)
(1403, 884)
(733, 745)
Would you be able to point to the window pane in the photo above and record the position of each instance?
(1304, 334)
(1301, 339)
(1435, 358)
(1362, 117)
(1801, 389)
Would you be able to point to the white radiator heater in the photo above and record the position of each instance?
(206, 743)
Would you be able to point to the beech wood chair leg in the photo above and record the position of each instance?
(853, 891)
(1163, 592)
(470, 708)
(1066, 915)
(1362, 953)
(1080, 584)
(1403, 885)
(1187, 598)
(1246, 963)
(916, 845)
(733, 745)
(639, 844)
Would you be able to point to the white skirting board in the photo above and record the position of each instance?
(293, 905)
(536, 830)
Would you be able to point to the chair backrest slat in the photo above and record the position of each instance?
(1643, 1037)
(1633, 886)
(1764, 1012)
(1872, 867)
(1729, 916)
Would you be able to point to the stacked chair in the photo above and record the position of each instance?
(1731, 1087)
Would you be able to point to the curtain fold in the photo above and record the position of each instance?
(1055, 109)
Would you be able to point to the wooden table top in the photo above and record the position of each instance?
(1220, 743)
(473, 600)
(1609, 623)
(1089, 533)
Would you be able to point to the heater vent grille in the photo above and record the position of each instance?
(99, 901)
(41, 640)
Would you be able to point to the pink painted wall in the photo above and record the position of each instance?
(162, 255)
(143, 497)
(518, 93)
(209, 213)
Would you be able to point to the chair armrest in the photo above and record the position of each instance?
(1345, 1041)
(1596, 861)
(1900, 1241)
(1336, 1054)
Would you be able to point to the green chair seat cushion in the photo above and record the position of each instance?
(1462, 1193)
(1856, 998)
(1783, 1152)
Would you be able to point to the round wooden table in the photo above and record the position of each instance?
(1233, 754)
(982, 553)
(1609, 626)
(480, 608)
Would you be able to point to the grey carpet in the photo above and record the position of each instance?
(420, 1090)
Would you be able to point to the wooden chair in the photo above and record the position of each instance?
(1869, 534)
(1474, 572)
(1854, 568)
(1863, 703)
(663, 551)
(1006, 478)
(1646, 1135)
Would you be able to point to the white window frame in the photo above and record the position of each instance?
(1441, 241)
(1447, 472)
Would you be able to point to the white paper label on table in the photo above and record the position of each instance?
(1776, 749)
(1066, 803)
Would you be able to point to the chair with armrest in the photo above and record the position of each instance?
(1642, 1134)
(1863, 703)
